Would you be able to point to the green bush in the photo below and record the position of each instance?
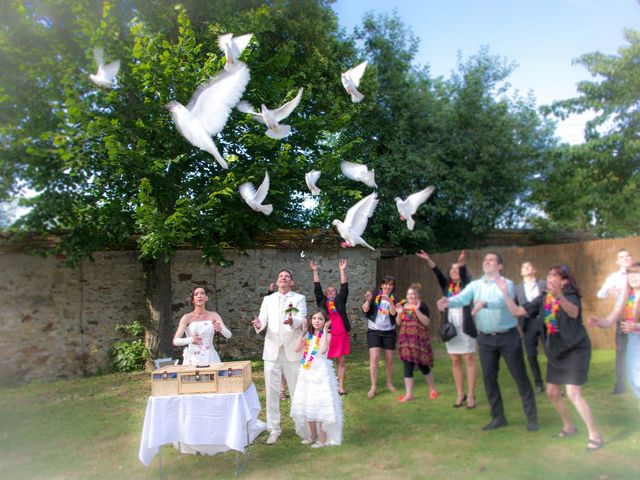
(130, 354)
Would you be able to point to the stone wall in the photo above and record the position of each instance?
(57, 321)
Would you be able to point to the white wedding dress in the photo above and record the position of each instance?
(204, 354)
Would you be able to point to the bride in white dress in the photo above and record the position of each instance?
(316, 398)
(200, 326)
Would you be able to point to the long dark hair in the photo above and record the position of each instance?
(563, 272)
(325, 315)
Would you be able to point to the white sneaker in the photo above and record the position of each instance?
(273, 438)
(317, 444)
(307, 441)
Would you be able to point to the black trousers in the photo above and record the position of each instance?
(532, 336)
(508, 346)
(621, 364)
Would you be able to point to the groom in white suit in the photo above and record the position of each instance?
(283, 332)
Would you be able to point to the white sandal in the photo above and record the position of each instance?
(308, 441)
(317, 444)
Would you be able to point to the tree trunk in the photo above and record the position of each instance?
(159, 333)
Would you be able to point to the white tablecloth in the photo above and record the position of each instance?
(218, 421)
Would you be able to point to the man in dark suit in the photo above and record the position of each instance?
(527, 290)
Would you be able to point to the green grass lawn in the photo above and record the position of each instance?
(90, 429)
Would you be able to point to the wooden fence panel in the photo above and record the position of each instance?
(590, 262)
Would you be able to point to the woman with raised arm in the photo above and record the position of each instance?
(463, 345)
(200, 326)
(335, 304)
(566, 345)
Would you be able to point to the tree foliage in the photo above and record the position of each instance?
(464, 135)
(108, 164)
(596, 186)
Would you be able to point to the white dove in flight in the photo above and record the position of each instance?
(351, 81)
(359, 173)
(272, 118)
(407, 208)
(105, 77)
(356, 221)
(254, 199)
(312, 178)
(233, 47)
(209, 108)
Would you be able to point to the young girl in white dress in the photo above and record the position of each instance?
(200, 326)
(316, 398)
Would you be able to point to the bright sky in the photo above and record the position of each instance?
(541, 36)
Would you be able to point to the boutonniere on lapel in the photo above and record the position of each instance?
(289, 311)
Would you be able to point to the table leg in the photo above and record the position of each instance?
(246, 454)
(160, 462)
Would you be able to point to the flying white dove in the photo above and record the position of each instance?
(351, 80)
(233, 47)
(209, 107)
(312, 178)
(407, 208)
(254, 199)
(106, 74)
(272, 118)
(356, 221)
(359, 173)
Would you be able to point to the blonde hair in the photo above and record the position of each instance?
(417, 288)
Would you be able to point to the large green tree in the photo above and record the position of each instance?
(596, 185)
(109, 166)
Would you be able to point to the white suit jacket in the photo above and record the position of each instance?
(272, 318)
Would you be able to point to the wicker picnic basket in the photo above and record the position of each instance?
(198, 380)
(234, 377)
(164, 381)
(227, 377)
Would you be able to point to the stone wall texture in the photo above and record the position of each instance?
(57, 321)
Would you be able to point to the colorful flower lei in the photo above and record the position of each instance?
(551, 307)
(408, 312)
(454, 289)
(307, 358)
(383, 311)
(628, 310)
(331, 306)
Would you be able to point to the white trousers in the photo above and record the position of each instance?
(272, 379)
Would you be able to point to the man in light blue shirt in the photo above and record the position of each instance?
(497, 336)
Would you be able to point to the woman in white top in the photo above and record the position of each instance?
(463, 345)
(200, 326)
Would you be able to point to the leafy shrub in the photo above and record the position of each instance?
(130, 354)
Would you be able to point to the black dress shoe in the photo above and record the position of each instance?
(495, 423)
(618, 390)
(532, 426)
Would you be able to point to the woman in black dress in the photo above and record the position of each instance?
(566, 345)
